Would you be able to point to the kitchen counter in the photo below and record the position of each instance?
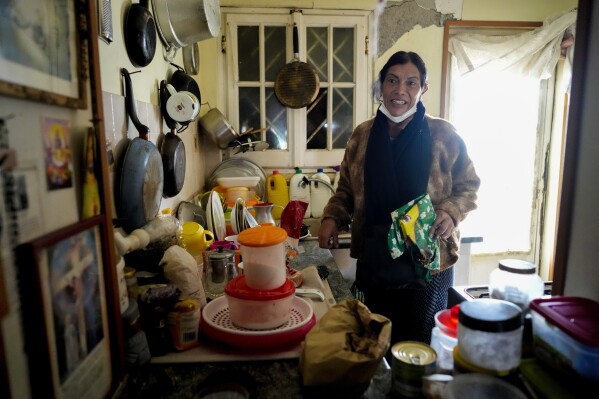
(278, 378)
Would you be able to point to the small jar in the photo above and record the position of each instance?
(516, 281)
(490, 334)
(131, 281)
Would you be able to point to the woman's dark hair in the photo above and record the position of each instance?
(403, 57)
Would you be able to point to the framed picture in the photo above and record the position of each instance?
(43, 53)
(65, 322)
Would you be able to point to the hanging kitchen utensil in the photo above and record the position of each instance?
(141, 177)
(182, 106)
(140, 34)
(217, 128)
(173, 150)
(297, 83)
(191, 59)
(181, 81)
(248, 145)
(183, 22)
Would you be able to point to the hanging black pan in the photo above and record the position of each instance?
(173, 151)
(140, 178)
(140, 34)
(297, 83)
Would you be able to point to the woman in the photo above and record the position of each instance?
(390, 160)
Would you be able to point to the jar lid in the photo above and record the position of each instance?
(517, 266)
(414, 353)
(491, 315)
(220, 253)
(263, 236)
(238, 288)
(447, 320)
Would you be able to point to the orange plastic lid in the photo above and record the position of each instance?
(262, 236)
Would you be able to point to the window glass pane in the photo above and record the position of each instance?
(248, 53)
(505, 197)
(316, 50)
(316, 126)
(249, 109)
(343, 57)
(276, 121)
(274, 51)
(343, 100)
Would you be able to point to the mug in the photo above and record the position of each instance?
(195, 238)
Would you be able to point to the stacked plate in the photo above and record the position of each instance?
(241, 218)
(215, 216)
(239, 167)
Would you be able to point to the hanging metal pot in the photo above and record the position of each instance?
(217, 128)
(184, 22)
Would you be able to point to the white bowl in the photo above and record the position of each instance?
(240, 181)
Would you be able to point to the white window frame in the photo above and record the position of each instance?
(297, 155)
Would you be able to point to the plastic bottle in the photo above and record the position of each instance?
(319, 193)
(164, 226)
(299, 191)
(277, 192)
(337, 175)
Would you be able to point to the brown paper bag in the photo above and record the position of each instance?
(343, 350)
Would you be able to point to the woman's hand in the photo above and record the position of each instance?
(328, 234)
(443, 225)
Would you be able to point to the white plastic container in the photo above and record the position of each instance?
(299, 191)
(263, 253)
(444, 338)
(490, 334)
(337, 175)
(516, 281)
(319, 193)
(258, 310)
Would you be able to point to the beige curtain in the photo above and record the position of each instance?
(532, 53)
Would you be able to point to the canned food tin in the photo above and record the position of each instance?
(412, 360)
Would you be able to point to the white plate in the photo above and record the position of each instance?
(239, 181)
(216, 217)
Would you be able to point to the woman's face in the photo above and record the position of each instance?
(402, 88)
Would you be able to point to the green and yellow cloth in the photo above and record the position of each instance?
(409, 232)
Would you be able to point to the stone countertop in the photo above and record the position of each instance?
(263, 379)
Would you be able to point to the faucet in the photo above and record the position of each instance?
(302, 183)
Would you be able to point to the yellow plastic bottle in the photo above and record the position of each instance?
(277, 192)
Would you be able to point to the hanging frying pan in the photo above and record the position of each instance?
(297, 83)
(140, 34)
(173, 151)
(141, 177)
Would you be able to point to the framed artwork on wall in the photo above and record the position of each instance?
(43, 53)
(65, 317)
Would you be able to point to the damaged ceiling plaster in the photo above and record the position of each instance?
(400, 17)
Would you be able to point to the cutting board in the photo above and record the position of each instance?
(211, 351)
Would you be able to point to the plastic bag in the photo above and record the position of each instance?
(180, 268)
(344, 349)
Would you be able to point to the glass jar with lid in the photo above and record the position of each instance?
(516, 281)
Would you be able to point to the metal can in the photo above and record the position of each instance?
(412, 360)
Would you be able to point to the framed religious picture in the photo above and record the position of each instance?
(42, 56)
(65, 317)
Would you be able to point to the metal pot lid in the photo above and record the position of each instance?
(191, 59)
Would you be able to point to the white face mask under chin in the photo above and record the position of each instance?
(399, 118)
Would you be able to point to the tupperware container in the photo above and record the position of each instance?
(566, 334)
(516, 281)
(263, 254)
(444, 337)
(258, 310)
(490, 334)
